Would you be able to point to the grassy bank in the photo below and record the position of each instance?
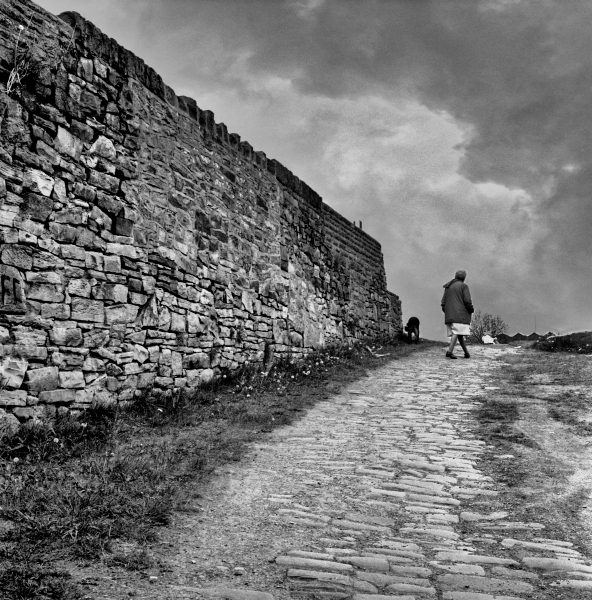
(85, 489)
(536, 424)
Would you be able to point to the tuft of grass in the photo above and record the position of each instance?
(27, 578)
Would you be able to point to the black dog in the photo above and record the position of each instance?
(411, 328)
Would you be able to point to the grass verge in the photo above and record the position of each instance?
(87, 488)
(534, 424)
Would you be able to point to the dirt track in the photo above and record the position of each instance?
(378, 491)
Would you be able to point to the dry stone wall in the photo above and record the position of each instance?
(142, 245)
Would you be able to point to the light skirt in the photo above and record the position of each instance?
(457, 329)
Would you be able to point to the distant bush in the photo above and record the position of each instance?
(483, 323)
(579, 343)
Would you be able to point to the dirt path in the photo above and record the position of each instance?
(375, 493)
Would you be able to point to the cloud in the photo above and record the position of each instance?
(458, 132)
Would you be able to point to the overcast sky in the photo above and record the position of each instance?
(458, 131)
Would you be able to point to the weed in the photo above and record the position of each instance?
(23, 64)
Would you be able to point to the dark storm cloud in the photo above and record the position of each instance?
(457, 130)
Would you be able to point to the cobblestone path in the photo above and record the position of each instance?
(380, 489)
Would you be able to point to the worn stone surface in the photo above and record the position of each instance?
(274, 520)
(127, 211)
(233, 594)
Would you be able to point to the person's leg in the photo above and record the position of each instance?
(453, 339)
(461, 341)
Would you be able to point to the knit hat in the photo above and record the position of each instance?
(460, 274)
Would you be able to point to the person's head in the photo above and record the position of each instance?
(461, 274)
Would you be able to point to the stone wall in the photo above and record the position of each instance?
(142, 245)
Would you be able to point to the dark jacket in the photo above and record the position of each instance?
(456, 302)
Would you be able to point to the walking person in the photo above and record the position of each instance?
(458, 308)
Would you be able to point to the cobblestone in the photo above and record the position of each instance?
(390, 503)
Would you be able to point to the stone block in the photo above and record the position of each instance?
(95, 261)
(148, 315)
(165, 371)
(10, 398)
(29, 336)
(25, 413)
(68, 144)
(66, 336)
(71, 216)
(17, 256)
(84, 309)
(120, 314)
(137, 337)
(177, 363)
(103, 181)
(93, 364)
(36, 207)
(97, 393)
(42, 380)
(146, 380)
(123, 227)
(138, 299)
(72, 252)
(164, 318)
(45, 292)
(104, 147)
(199, 360)
(122, 250)
(164, 382)
(199, 377)
(38, 181)
(59, 396)
(28, 351)
(44, 277)
(67, 360)
(148, 284)
(90, 102)
(89, 240)
(112, 291)
(43, 147)
(79, 287)
(71, 379)
(132, 368)
(177, 322)
(97, 338)
(196, 323)
(112, 264)
(112, 384)
(9, 424)
(63, 233)
(113, 370)
(141, 354)
(12, 371)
